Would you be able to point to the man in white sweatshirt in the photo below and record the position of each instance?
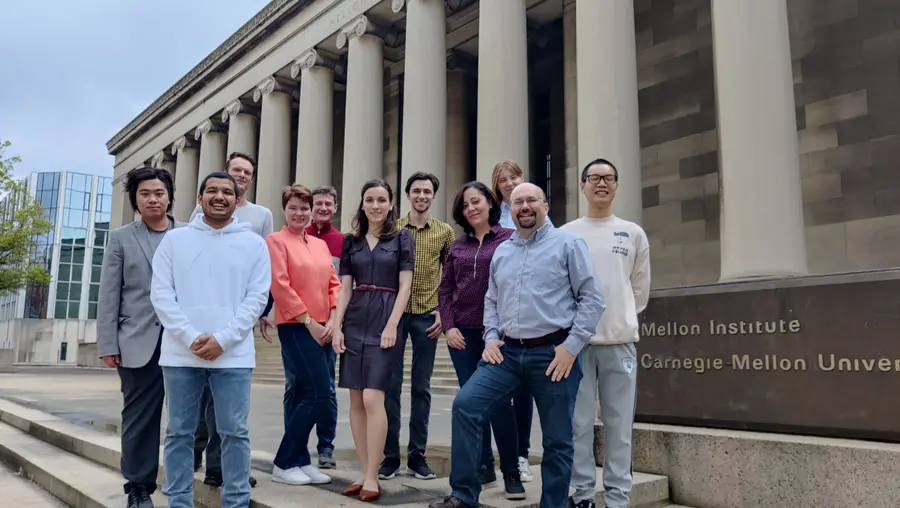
(210, 283)
(621, 255)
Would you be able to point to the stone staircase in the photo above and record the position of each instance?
(270, 370)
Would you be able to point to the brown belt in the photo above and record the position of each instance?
(551, 339)
(370, 287)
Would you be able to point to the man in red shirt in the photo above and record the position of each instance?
(324, 209)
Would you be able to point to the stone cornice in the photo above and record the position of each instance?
(275, 13)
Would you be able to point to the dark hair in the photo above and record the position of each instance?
(325, 190)
(134, 178)
(415, 177)
(298, 191)
(459, 204)
(602, 162)
(240, 155)
(361, 222)
(219, 174)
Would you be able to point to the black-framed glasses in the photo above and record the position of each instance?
(595, 179)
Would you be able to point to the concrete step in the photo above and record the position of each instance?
(74, 480)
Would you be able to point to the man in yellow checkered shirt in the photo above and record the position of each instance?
(422, 324)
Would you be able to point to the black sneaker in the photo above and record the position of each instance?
(139, 497)
(513, 486)
(418, 465)
(214, 479)
(388, 469)
(326, 460)
(486, 475)
(587, 503)
(450, 502)
(198, 461)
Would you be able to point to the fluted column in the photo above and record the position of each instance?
(187, 163)
(608, 124)
(274, 171)
(243, 129)
(315, 119)
(457, 139)
(762, 230)
(213, 144)
(502, 86)
(364, 129)
(425, 96)
(574, 197)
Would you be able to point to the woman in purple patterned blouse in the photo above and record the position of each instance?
(461, 304)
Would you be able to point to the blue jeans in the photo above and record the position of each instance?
(424, 350)
(231, 391)
(523, 407)
(491, 384)
(310, 391)
(465, 362)
(326, 425)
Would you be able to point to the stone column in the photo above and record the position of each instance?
(243, 129)
(187, 163)
(274, 171)
(315, 129)
(502, 86)
(364, 129)
(425, 97)
(213, 144)
(762, 229)
(607, 97)
(457, 139)
(165, 161)
(574, 197)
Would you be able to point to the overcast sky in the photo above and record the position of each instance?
(73, 73)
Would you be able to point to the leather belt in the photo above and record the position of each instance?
(551, 339)
(370, 287)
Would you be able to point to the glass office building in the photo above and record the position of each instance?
(79, 207)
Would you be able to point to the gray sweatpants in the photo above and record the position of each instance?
(610, 371)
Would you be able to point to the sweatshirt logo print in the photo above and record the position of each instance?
(621, 238)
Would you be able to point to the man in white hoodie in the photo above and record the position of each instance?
(621, 256)
(210, 283)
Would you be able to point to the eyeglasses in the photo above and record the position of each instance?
(530, 201)
(595, 179)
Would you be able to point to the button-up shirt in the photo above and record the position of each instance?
(465, 279)
(433, 242)
(540, 285)
(303, 277)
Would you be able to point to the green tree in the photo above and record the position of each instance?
(19, 230)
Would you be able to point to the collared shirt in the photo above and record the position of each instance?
(332, 237)
(433, 242)
(465, 279)
(541, 285)
(303, 278)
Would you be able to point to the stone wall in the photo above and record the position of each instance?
(847, 90)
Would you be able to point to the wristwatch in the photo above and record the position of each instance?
(307, 321)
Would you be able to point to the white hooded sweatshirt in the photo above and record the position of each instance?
(213, 281)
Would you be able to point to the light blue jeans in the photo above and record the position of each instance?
(231, 394)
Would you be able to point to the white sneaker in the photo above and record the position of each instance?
(315, 476)
(525, 473)
(292, 476)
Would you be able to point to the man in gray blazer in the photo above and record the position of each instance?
(128, 331)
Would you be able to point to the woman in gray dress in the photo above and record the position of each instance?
(376, 277)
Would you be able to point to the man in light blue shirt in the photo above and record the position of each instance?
(542, 306)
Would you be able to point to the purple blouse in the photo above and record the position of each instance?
(465, 279)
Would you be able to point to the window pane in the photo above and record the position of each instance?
(99, 238)
(94, 293)
(65, 271)
(73, 310)
(92, 311)
(60, 309)
(62, 290)
(78, 255)
(95, 273)
(75, 291)
(77, 270)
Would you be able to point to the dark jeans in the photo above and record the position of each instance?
(465, 362)
(326, 426)
(491, 384)
(424, 350)
(523, 407)
(308, 363)
(143, 391)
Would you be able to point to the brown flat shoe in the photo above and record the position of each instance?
(353, 489)
(369, 495)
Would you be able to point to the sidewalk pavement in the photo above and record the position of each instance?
(92, 397)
